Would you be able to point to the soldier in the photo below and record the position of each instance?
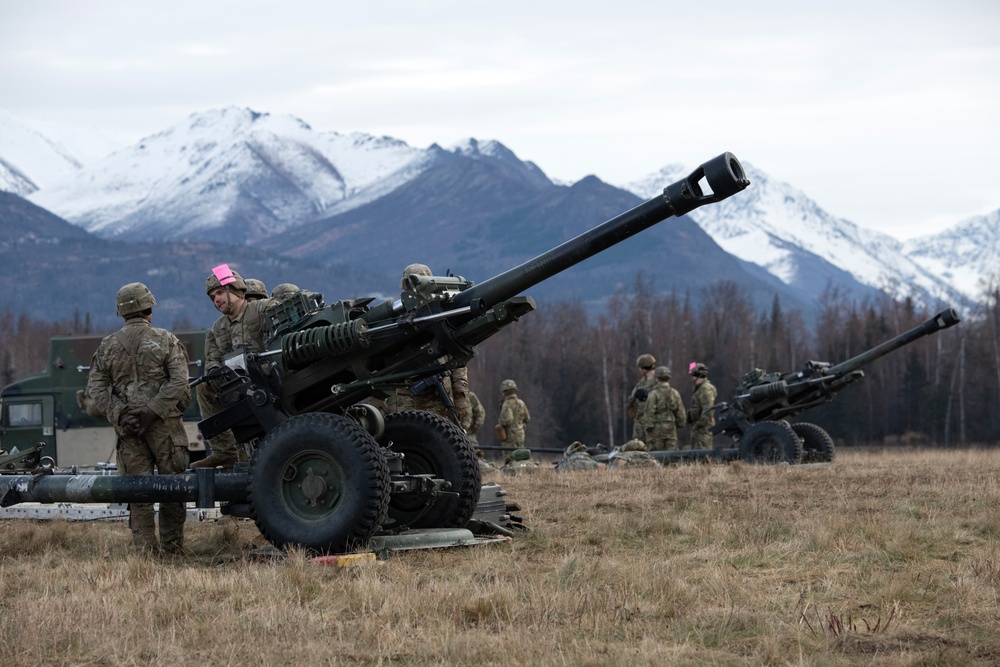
(454, 383)
(663, 413)
(514, 416)
(519, 461)
(635, 401)
(700, 416)
(633, 454)
(241, 327)
(256, 290)
(139, 381)
(474, 419)
(576, 457)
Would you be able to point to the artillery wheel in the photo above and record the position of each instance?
(770, 442)
(817, 445)
(433, 445)
(318, 481)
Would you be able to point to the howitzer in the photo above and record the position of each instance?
(755, 418)
(327, 471)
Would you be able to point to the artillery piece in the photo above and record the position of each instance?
(755, 419)
(328, 471)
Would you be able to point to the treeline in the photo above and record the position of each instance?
(574, 371)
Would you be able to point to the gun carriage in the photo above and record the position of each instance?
(327, 470)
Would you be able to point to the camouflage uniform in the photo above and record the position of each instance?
(139, 381)
(576, 457)
(514, 416)
(475, 418)
(633, 454)
(456, 385)
(518, 462)
(663, 414)
(637, 398)
(247, 333)
(701, 418)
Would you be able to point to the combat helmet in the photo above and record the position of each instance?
(662, 373)
(634, 445)
(413, 270)
(133, 299)
(283, 291)
(255, 289)
(576, 447)
(508, 385)
(235, 282)
(645, 361)
(698, 370)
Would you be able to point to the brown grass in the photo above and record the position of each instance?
(885, 558)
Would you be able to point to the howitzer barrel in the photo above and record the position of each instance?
(60, 488)
(724, 175)
(946, 318)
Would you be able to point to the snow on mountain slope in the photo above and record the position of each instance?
(34, 155)
(222, 165)
(771, 223)
(967, 255)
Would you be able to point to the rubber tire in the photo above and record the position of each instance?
(433, 445)
(817, 445)
(770, 442)
(347, 461)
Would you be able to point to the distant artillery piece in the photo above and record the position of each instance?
(756, 417)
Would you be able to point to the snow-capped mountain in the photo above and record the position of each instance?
(224, 166)
(967, 255)
(34, 155)
(779, 228)
(239, 176)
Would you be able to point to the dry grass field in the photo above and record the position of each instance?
(884, 558)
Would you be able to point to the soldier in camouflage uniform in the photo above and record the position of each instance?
(139, 381)
(663, 413)
(474, 419)
(519, 461)
(455, 382)
(701, 418)
(241, 327)
(637, 399)
(576, 457)
(256, 290)
(514, 416)
(633, 454)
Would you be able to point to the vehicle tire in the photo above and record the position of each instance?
(817, 445)
(318, 481)
(433, 445)
(770, 442)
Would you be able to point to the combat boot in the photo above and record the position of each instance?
(216, 460)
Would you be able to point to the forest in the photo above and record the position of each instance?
(574, 370)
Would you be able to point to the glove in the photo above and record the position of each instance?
(641, 395)
(144, 418)
(128, 424)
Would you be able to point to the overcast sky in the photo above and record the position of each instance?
(885, 112)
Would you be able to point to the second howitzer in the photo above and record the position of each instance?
(755, 418)
(328, 471)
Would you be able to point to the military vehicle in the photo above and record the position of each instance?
(328, 470)
(46, 412)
